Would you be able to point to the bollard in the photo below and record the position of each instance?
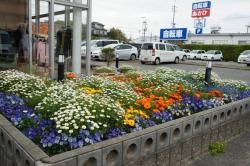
(117, 63)
(60, 68)
(208, 73)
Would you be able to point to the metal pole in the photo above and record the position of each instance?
(77, 31)
(208, 73)
(37, 13)
(88, 38)
(67, 15)
(174, 10)
(60, 71)
(30, 37)
(117, 64)
(51, 39)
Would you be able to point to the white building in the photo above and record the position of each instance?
(141, 39)
(219, 38)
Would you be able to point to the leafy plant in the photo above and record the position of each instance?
(126, 68)
(108, 55)
(103, 69)
(217, 147)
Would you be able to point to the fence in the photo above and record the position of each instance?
(174, 143)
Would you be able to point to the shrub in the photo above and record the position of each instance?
(108, 55)
(100, 70)
(126, 68)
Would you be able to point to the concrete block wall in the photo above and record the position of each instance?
(175, 143)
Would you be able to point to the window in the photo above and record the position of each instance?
(118, 47)
(109, 42)
(243, 42)
(126, 47)
(217, 52)
(162, 47)
(147, 46)
(220, 42)
(178, 48)
(4, 39)
(157, 46)
(197, 42)
(170, 48)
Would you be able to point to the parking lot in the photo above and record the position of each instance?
(226, 70)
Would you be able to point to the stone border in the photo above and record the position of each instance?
(174, 143)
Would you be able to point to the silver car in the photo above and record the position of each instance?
(244, 57)
(124, 51)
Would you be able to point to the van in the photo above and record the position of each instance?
(96, 47)
(157, 52)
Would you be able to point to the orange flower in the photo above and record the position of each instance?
(147, 105)
(162, 108)
(152, 84)
(156, 111)
(152, 96)
(216, 93)
(197, 94)
(71, 75)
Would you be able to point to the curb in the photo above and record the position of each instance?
(217, 66)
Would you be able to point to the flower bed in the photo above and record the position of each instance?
(78, 112)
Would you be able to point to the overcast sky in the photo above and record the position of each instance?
(231, 15)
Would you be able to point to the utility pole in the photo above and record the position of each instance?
(174, 11)
(248, 27)
(144, 28)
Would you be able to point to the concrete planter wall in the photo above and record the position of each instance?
(174, 143)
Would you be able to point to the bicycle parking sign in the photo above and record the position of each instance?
(174, 34)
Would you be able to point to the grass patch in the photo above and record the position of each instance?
(217, 147)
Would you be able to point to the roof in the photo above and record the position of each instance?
(221, 34)
(97, 23)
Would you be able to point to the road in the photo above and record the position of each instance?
(224, 73)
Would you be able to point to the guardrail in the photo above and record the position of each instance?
(175, 143)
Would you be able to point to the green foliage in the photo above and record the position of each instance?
(117, 34)
(108, 55)
(103, 69)
(217, 147)
(230, 52)
(126, 68)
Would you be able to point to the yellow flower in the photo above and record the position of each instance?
(91, 90)
(130, 122)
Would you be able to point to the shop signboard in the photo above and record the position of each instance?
(174, 34)
(201, 9)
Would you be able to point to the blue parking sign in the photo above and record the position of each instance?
(173, 34)
(198, 31)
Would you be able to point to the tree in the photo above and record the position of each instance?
(117, 34)
(108, 55)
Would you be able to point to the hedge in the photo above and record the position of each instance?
(230, 52)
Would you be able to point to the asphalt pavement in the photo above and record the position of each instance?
(237, 153)
(225, 72)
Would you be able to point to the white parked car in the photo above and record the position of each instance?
(212, 55)
(244, 57)
(96, 46)
(196, 54)
(124, 51)
(157, 52)
(181, 53)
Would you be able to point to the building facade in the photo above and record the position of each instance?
(220, 38)
(98, 29)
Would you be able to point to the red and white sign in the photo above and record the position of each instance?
(201, 13)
